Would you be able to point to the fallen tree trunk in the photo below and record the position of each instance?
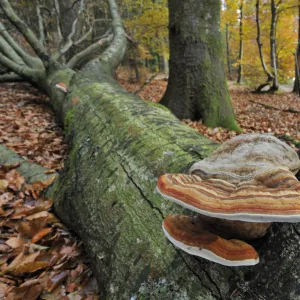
(119, 145)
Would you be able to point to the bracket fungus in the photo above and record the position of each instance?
(242, 187)
(62, 87)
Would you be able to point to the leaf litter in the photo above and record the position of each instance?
(39, 257)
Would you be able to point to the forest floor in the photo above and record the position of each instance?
(39, 257)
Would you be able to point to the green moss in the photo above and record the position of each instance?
(68, 120)
(158, 105)
(161, 289)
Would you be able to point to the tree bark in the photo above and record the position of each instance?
(241, 49)
(260, 45)
(197, 86)
(296, 88)
(228, 54)
(274, 17)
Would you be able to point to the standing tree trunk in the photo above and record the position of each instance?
(260, 45)
(197, 86)
(296, 88)
(241, 49)
(228, 54)
(273, 59)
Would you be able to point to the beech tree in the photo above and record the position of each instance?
(197, 87)
(241, 48)
(118, 146)
(296, 88)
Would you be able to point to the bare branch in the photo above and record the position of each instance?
(11, 77)
(286, 8)
(85, 36)
(86, 52)
(58, 25)
(102, 20)
(23, 71)
(73, 5)
(26, 31)
(41, 24)
(145, 83)
(69, 42)
(79, 12)
(9, 52)
(112, 56)
(28, 59)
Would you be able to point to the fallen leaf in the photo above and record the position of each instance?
(40, 235)
(3, 185)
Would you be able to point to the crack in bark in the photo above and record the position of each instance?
(199, 277)
(177, 250)
(141, 192)
(295, 229)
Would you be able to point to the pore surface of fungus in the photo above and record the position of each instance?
(247, 183)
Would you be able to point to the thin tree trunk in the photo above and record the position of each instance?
(241, 49)
(273, 61)
(228, 54)
(259, 43)
(296, 88)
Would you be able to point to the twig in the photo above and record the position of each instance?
(290, 109)
(145, 83)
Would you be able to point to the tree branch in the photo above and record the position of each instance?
(58, 26)
(41, 24)
(69, 43)
(286, 8)
(85, 35)
(11, 77)
(8, 51)
(26, 31)
(31, 74)
(145, 83)
(290, 109)
(86, 52)
(31, 171)
(28, 59)
(112, 56)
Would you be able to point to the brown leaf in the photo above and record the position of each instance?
(4, 289)
(55, 280)
(31, 228)
(15, 242)
(3, 185)
(33, 292)
(5, 198)
(30, 267)
(38, 186)
(40, 235)
(21, 259)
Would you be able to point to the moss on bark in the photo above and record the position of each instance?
(197, 87)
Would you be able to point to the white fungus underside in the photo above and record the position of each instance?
(208, 254)
(261, 218)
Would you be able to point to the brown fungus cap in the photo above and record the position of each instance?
(189, 234)
(273, 195)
